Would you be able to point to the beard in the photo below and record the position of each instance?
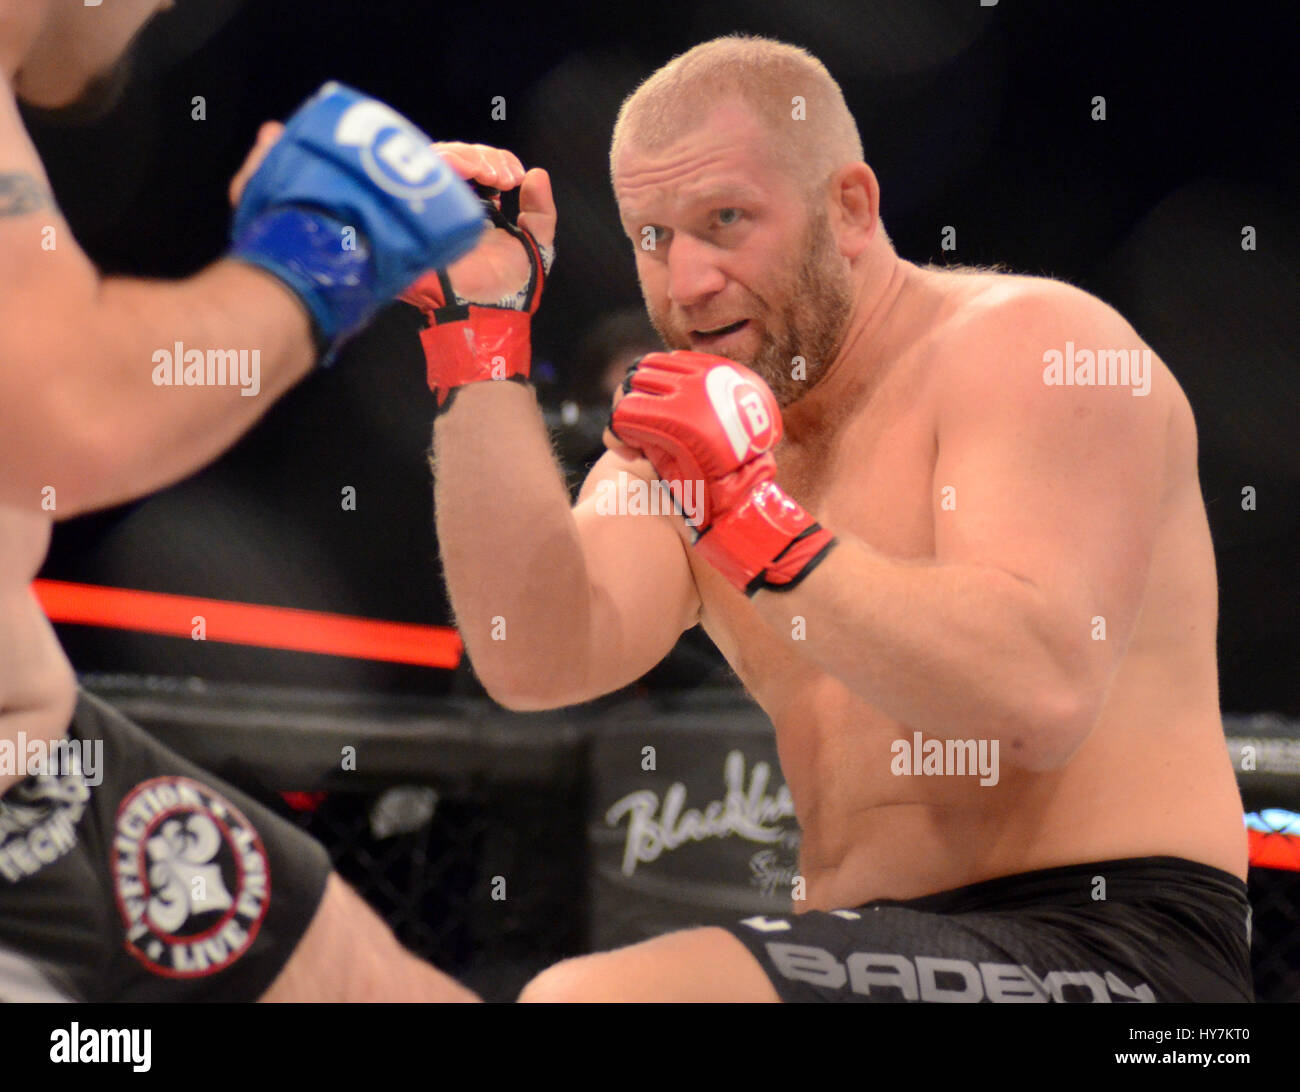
(818, 298)
(102, 93)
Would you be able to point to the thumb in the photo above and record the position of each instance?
(623, 450)
(267, 135)
(614, 442)
(537, 207)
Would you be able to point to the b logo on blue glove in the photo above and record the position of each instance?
(394, 153)
(348, 161)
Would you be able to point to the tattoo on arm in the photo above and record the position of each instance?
(21, 193)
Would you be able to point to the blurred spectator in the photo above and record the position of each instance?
(606, 352)
(599, 363)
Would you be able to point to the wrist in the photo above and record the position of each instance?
(467, 343)
(766, 541)
(304, 249)
(449, 395)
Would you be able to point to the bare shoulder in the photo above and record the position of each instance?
(1009, 307)
(44, 275)
(1016, 337)
(31, 227)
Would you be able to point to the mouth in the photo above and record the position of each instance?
(715, 337)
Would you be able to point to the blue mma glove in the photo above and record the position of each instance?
(349, 207)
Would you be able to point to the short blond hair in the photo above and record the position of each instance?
(788, 89)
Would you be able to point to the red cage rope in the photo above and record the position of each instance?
(249, 624)
(1274, 850)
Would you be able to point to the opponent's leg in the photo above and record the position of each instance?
(180, 887)
(348, 953)
(703, 964)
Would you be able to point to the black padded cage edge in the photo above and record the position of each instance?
(464, 824)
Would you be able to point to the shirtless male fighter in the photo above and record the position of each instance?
(159, 882)
(941, 511)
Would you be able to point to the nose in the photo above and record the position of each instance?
(693, 273)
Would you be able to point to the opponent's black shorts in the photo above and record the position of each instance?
(1141, 929)
(159, 883)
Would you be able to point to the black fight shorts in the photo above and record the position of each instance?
(158, 883)
(1141, 929)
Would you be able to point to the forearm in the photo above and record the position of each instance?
(128, 385)
(953, 650)
(121, 420)
(511, 554)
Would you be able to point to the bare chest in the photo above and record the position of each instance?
(869, 479)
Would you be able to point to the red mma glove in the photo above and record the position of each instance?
(467, 342)
(708, 419)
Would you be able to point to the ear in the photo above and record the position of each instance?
(855, 208)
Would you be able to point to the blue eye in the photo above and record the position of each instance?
(650, 236)
(727, 217)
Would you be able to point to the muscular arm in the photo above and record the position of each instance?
(1057, 495)
(556, 605)
(79, 410)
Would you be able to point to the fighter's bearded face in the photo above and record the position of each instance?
(733, 256)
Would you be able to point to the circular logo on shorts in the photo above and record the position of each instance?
(191, 877)
(394, 153)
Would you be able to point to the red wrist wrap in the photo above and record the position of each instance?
(766, 541)
(471, 342)
(466, 343)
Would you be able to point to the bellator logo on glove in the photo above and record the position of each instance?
(705, 418)
(741, 408)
